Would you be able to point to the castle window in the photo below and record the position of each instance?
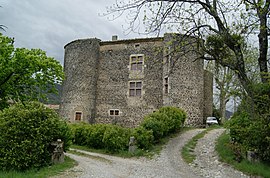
(135, 89)
(114, 112)
(136, 62)
(78, 116)
(166, 85)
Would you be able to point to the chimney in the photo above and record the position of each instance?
(114, 37)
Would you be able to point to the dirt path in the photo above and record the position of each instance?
(168, 164)
(207, 163)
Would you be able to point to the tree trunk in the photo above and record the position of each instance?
(263, 47)
(222, 103)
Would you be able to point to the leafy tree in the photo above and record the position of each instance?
(226, 82)
(223, 77)
(258, 12)
(228, 21)
(26, 74)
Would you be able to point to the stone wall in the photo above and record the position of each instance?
(81, 73)
(114, 78)
(98, 76)
(185, 74)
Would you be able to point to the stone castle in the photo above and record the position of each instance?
(120, 81)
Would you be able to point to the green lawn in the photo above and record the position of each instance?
(43, 172)
(226, 155)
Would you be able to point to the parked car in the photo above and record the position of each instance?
(211, 120)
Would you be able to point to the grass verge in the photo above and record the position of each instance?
(139, 152)
(226, 155)
(188, 150)
(43, 172)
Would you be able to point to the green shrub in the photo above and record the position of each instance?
(144, 138)
(164, 122)
(26, 132)
(250, 125)
(262, 99)
(239, 127)
(95, 137)
(154, 122)
(259, 138)
(251, 134)
(80, 132)
(116, 138)
(101, 136)
(175, 117)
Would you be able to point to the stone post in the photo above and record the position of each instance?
(252, 156)
(58, 152)
(132, 147)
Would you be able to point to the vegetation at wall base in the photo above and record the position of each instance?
(148, 153)
(111, 138)
(226, 154)
(115, 139)
(45, 172)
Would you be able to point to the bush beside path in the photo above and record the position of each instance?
(168, 164)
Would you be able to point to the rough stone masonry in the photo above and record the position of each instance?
(120, 81)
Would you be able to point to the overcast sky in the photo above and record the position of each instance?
(50, 24)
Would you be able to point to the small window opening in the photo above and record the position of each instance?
(78, 116)
(114, 112)
(166, 85)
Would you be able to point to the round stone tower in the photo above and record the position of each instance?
(81, 64)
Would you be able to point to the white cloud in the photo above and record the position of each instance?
(50, 24)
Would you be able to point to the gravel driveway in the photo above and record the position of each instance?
(168, 164)
(207, 164)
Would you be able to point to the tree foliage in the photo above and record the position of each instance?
(250, 126)
(226, 83)
(225, 26)
(26, 74)
(229, 21)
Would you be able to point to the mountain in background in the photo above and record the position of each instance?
(53, 98)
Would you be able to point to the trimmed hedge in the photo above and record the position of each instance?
(156, 122)
(26, 132)
(114, 138)
(165, 121)
(96, 134)
(144, 138)
(176, 117)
